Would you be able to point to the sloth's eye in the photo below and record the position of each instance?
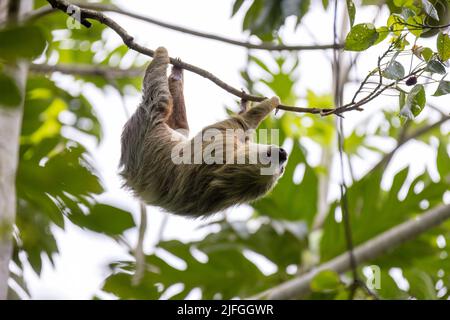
(269, 153)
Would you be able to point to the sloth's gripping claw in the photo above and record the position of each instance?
(178, 117)
(152, 146)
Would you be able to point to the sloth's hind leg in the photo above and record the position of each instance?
(177, 119)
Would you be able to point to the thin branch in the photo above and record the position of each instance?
(38, 13)
(338, 94)
(405, 138)
(162, 228)
(88, 70)
(139, 251)
(367, 251)
(437, 109)
(67, 8)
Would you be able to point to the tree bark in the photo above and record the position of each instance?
(10, 127)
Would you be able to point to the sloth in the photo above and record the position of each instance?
(189, 177)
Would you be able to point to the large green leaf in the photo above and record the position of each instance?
(421, 285)
(443, 46)
(10, 95)
(54, 179)
(265, 18)
(415, 102)
(443, 88)
(351, 10)
(326, 280)
(106, 219)
(373, 211)
(394, 71)
(289, 200)
(21, 42)
(361, 37)
(227, 272)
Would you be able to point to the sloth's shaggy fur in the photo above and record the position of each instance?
(150, 140)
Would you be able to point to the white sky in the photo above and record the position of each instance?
(81, 265)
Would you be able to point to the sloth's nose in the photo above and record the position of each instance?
(282, 154)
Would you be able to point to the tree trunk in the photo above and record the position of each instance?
(10, 127)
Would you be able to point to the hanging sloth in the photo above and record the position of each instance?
(220, 167)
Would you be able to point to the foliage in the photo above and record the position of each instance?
(57, 182)
(56, 179)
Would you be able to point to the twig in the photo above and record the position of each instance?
(162, 228)
(38, 13)
(139, 251)
(88, 70)
(371, 249)
(403, 139)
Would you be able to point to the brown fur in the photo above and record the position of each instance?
(188, 189)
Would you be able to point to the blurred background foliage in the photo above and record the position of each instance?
(295, 227)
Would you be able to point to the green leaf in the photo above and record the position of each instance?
(394, 71)
(389, 288)
(226, 274)
(288, 200)
(236, 6)
(407, 13)
(106, 219)
(442, 89)
(420, 284)
(324, 281)
(401, 99)
(351, 11)
(21, 42)
(395, 23)
(415, 102)
(414, 25)
(403, 3)
(435, 66)
(361, 37)
(443, 46)
(10, 95)
(427, 54)
(443, 162)
(430, 10)
(383, 33)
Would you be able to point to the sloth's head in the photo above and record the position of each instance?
(238, 169)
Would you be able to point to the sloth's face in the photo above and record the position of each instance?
(229, 149)
(242, 170)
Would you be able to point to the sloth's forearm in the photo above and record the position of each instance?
(255, 115)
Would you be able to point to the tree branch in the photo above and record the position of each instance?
(405, 138)
(245, 44)
(87, 70)
(367, 251)
(65, 7)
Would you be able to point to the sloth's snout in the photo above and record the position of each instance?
(282, 154)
